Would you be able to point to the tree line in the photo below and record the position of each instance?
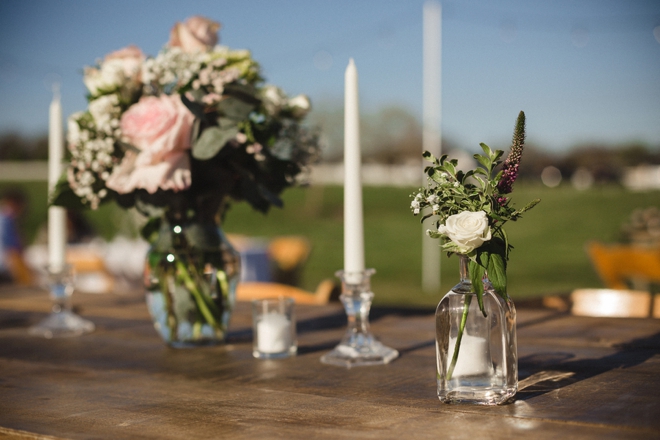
(394, 135)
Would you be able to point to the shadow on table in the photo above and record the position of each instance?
(550, 371)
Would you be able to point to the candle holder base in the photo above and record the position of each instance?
(62, 322)
(358, 347)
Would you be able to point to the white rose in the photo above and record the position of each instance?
(467, 230)
(273, 99)
(299, 106)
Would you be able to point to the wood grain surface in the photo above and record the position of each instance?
(581, 378)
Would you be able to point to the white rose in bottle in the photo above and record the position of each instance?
(467, 230)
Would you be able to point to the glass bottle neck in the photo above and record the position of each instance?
(463, 268)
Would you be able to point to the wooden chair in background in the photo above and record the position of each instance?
(620, 267)
(288, 255)
(619, 264)
(257, 290)
(92, 275)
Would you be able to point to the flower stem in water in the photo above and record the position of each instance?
(461, 329)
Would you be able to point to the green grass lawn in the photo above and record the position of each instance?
(549, 255)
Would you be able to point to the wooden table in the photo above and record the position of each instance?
(580, 378)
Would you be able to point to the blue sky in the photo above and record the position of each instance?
(581, 70)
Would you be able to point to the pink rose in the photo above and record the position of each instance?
(130, 58)
(173, 172)
(196, 34)
(160, 128)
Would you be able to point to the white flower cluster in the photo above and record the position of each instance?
(433, 200)
(416, 204)
(106, 113)
(91, 156)
(172, 67)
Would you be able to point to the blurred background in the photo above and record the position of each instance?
(586, 73)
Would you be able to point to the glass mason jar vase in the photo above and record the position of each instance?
(477, 359)
(191, 274)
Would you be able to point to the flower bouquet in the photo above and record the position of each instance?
(476, 352)
(177, 136)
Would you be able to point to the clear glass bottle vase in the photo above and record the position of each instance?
(477, 359)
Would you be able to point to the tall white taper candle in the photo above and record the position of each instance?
(56, 214)
(353, 220)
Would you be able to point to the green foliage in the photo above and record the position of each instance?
(450, 192)
(212, 140)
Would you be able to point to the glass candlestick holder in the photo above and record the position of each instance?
(358, 347)
(62, 321)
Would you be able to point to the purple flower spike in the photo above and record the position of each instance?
(512, 162)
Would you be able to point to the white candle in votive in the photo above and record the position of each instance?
(473, 356)
(56, 214)
(273, 333)
(353, 221)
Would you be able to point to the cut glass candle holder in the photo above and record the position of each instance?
(62, 321)
(358, 347)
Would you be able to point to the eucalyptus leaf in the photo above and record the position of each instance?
(212, 140)
(224, 122)
(245, 92)
(234, 108)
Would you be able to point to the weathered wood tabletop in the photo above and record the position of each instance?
(580, 378)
